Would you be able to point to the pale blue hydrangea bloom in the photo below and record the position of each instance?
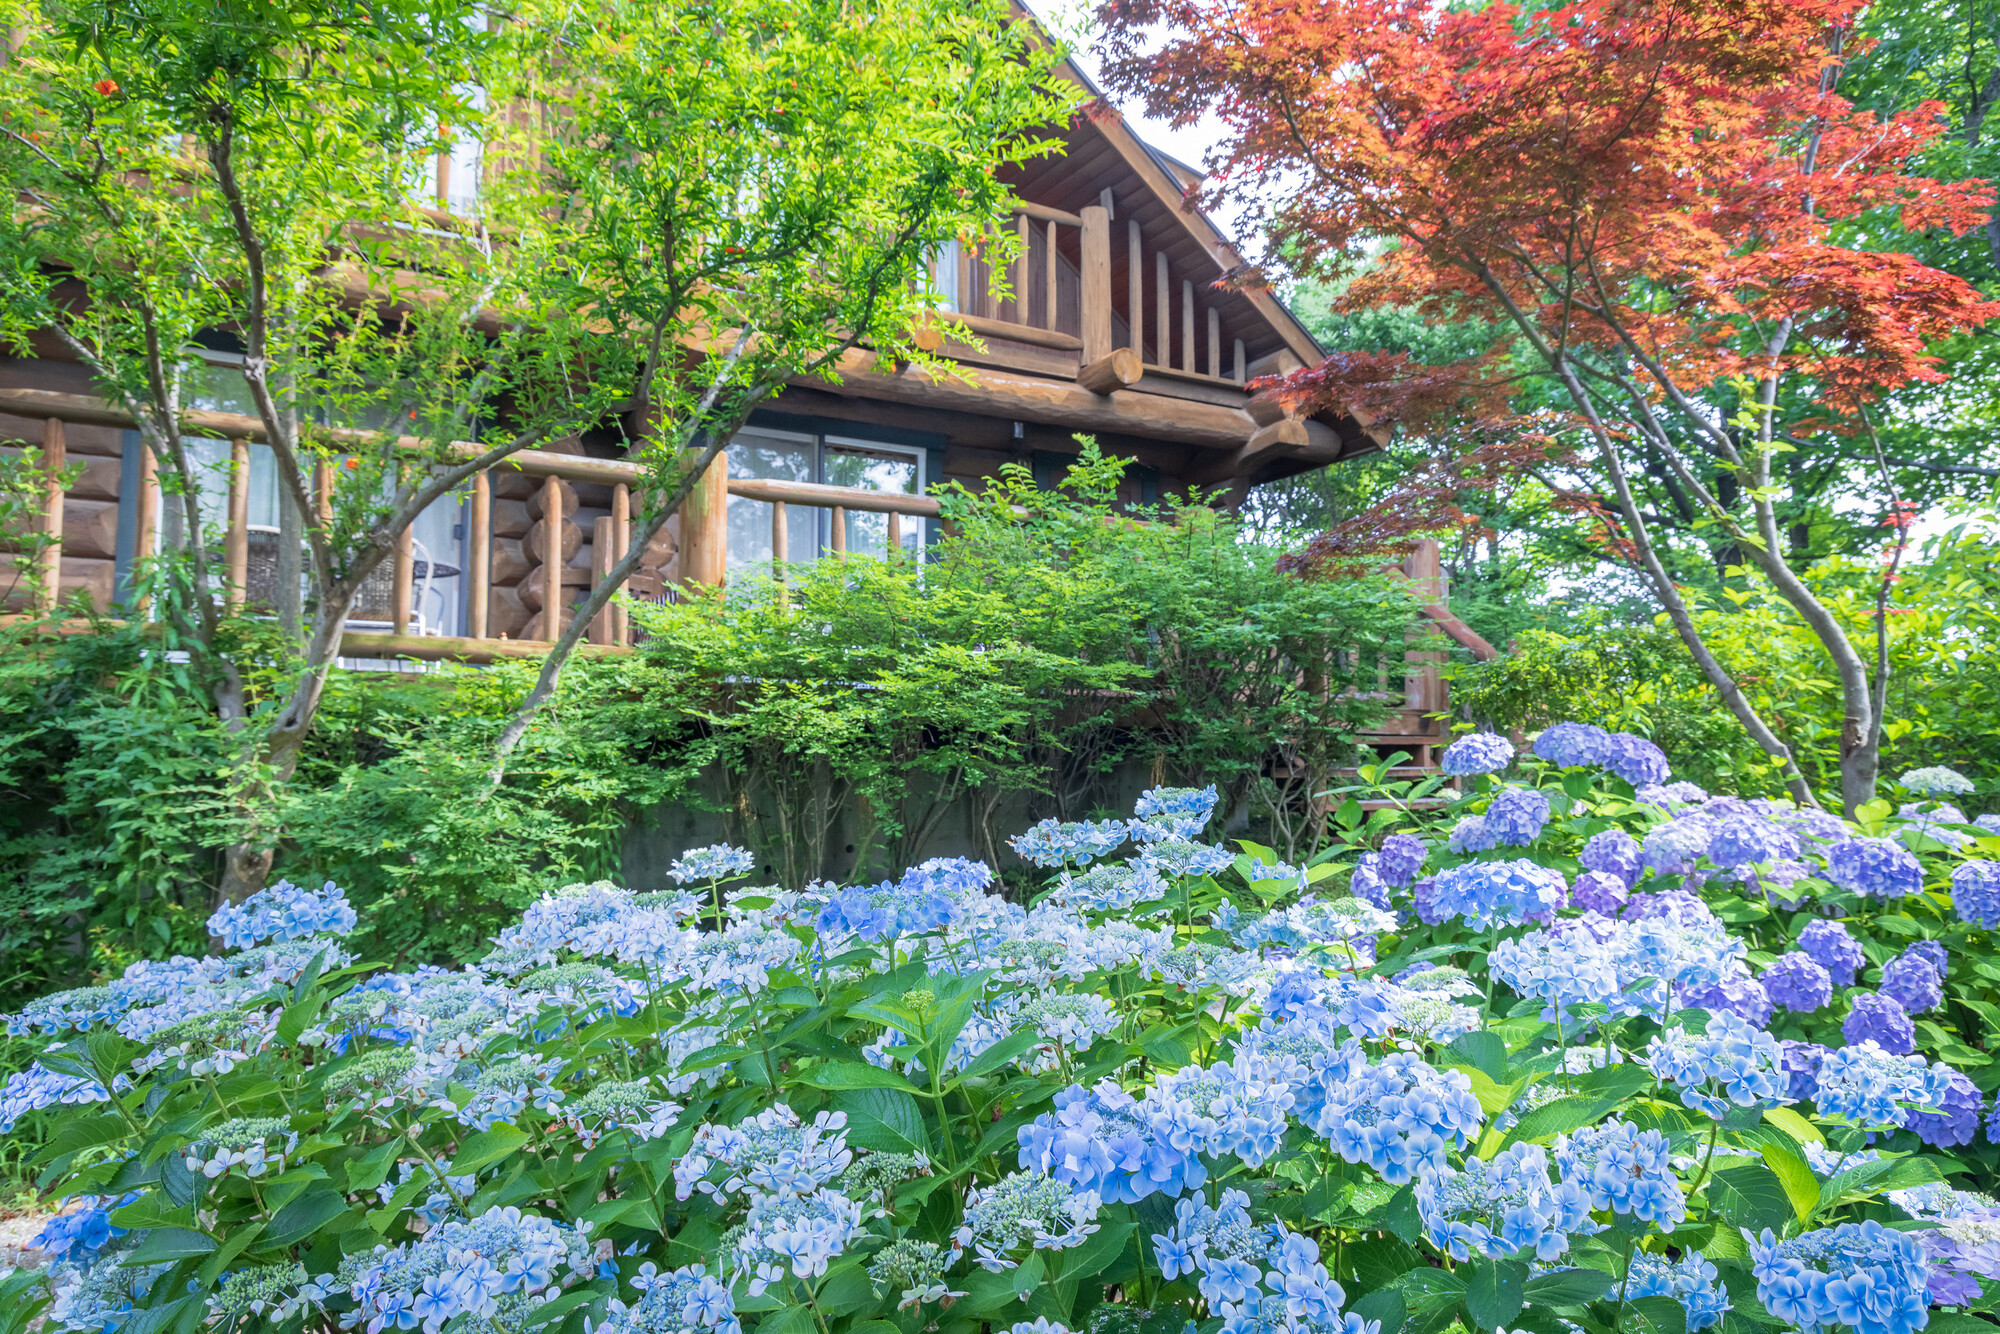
(1477, 753)
(1503, 1207)
(283, 912)
(1936, 781)
(717, 861)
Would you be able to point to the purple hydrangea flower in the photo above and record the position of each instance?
(1874, 868)
(1746, 840)
(1471, 835)
(1676, 905)
(1570, 745)
(1957, 1119)
(1802, 1062)
(1423, 895)
(1834, 950)
(1737, 992)
(1913, 982)
(1798, 982)
(1366, 883)
(1400, 859)
(1880, 1017)
(1975, 890)
(1635, 759)
(1517, 815)
(1613, 852)
(1934, 952)
(1599, 892)
(1673, 847)
(1668, 798)
(1477, 753)
(1989, 823)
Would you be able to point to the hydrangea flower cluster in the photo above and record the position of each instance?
(1023, 1211)
(1482, 894)
(1477, 753)
(1102, 1140)
(1868, 1086)
(1691, 1280)
(496, 1267)
(283, 912)
(1798, 982)
(1730, 1063)
(1504, 1207)
(1975, 891)
(1400, 1117)
(683, 1301)
(1572, 745)
(717, 861)
(1516, 817)
(1874, 868)
(1862, 1275)
(1936, 781)
(1053, 843)
(1829, 945)
(1625, 1170)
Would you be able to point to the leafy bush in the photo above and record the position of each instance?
(1579, 1055)
(1944, 682)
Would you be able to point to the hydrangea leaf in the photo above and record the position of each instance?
(1793, 1173)
(1495, 1292)
(883, 1119)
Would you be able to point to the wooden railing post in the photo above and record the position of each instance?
(895, 533)
(1095, 285)
(837, 539)
(403, 580)
(236, 540)
(1024, 232)
(1187, 324)
(1054, 268)
(54, 455)
(705, 526)
(479, 556)
(1164, 307)
(1214, 343)
(552, 558)
(621, 538)
(601, 560)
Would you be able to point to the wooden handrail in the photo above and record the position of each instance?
(834, 497)
(1043, 213)
(986, 327)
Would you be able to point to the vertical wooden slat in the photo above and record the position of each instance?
(621, 539)
(146, 516)
(1135, 290)
(838, 538)
(479, 552)
(322, 493)
(55, 452)
(895, 533)
(1026, 233)
(403, 580)
(1054, 266)
(601, 561)
(1163, 309)
(965, 294)
(1214, 344)
(1187, 324)
(1094, 284)
(236, 538)
(1241, 376)
(444, 180)
(551, 553)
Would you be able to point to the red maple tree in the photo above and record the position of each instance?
(1662, 199)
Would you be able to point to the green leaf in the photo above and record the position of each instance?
(1385, 1305)
(1560, 1117)
(1483, 1051)
(1101, 1248)
(1853, 1180)
(1569, 1287)
(1429, 1291)
(170, 1243)
(486, 1148)
(1495, 1292)
(1796, 1176)
(1401, 1216)
(886, 1120)
(792, 1320)
(1789, 1121)
(152, 1211)
(999, 1054)
(856, 1075)
(1656, 1315)
(560, 1307)
(304, 1216)
(1749, 1196)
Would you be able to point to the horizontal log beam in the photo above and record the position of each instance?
(1063, 403)
(1043, 213)
(826, 497)
(984, 327)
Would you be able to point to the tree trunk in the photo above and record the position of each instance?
(246, 869)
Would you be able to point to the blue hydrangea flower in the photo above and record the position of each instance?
(1731, 1062)
(1913, 982)
(717, 861)
(1936, 781)
(1690, 1280)
(1989, 823)
(283, 912)
(1572, 745)
(1736, 991)
(38, 1087)
(78, 1234)
(1635, 759)
(1747, 840)
(1178, 860)
(1399, 859)
(1832, 948)
(1975, 891)
(1955, 1120)
(1498, 892)
(1477, 753)
(1798, 982)
(1613, 852)
(1874, 868)
(1503, 1207)
(1471, 835)
(1516, 816)
(1559, 969)
(1051, 843)
(1877, 1089)
(1674, 847)
(1862, 1275)
(1802, 1066)
(1400, 1117)
(1100, 1140)
(1177, 802)
(1880, 1019)
(1625, 1170)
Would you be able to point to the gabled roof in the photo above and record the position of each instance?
(1104, 152)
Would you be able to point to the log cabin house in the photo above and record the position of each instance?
(1117, 326)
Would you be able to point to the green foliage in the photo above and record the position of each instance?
(1944, 684)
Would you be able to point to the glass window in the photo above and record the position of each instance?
(830, 460)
